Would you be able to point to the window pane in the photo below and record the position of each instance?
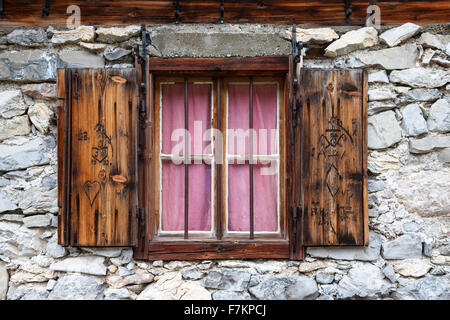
(172, 99)
(264, 118)
(264, 198)
(199, 116)
(238, 115)
(199, 213)
(200, 197)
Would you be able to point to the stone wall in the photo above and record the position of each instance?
(409, 154)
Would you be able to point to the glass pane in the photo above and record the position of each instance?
(265, 197)
(172, 102)
(199, 213)
(238, 116)
(199, 117)
(199, 197)
(264, 118)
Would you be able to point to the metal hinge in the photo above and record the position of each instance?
(297, 56)
(46, 8)
(141, 214)
(296, 215)
(141, 59)
(348, 10)
(297, 51)
(54, 119)
(176, 11)
(141, 223)
(222, 9)
(142, 114)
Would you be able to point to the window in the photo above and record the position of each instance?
(212, 159)
(186, 114)
(227, 187)
(252, 161)
(184, 109)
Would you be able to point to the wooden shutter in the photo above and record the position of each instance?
(97, 157)
(334, 157)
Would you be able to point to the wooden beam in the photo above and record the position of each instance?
(201, 250)
(272, 63)
(303, 12)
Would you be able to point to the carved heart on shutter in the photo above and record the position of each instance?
(91, 189)
(100, 154)
(97, 167)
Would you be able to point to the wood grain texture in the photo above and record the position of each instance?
(270, 63)
(314, 13)
(144, 143)
(288, 85)
(62, 153)
(364, 160)
(296, 252)
(200, 250)
(100, 183)
(334, 148)
(219, 244)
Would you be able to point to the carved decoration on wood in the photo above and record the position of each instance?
(91, 189)
(330, 147)
(101, 151)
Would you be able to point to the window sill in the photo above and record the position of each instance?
(218, 249)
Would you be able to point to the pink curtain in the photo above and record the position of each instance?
(172, 197)
(265, 185)
(199, 114)
(199, 97)
(264, 117)
(199, 212)
(264, 199)
(172, 101)
(238, 116)
(199, 192)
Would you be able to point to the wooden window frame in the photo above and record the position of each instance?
(281, 114)
(154, 248)
(160, 157)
